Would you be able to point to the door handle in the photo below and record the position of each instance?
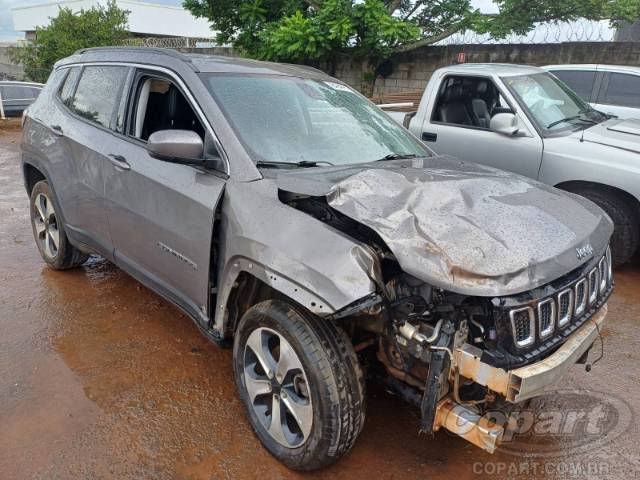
(119, 161)
(57, 129)
(429, 137)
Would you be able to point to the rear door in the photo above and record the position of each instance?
(619, 95)
(85, 124)
(462, 136)
(161, 214)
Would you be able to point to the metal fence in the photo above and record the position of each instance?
(170, 42)
(555, 32)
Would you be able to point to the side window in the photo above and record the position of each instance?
(161, 105)
(580, 81)
(68, 85)
(623, 90)
(98, 92)
(468, 101)
(16, 92)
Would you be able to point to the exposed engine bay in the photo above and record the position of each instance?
(423, 336)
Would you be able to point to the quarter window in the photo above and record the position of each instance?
(98, 92)
(66, 90)
(580, 81)
(622, 90)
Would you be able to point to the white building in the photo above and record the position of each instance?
(145, 19)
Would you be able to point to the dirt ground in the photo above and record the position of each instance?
(101, 378)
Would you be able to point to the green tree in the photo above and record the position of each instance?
(68, 32)
(309, 31)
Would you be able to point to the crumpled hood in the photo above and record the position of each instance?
(624, 134)
(459, 226)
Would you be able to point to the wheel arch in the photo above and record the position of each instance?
(575, 186)
(246, 291)
(32, 175)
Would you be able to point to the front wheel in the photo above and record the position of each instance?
(626, 229)
(300, 381)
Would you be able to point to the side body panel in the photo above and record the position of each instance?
(567, 159)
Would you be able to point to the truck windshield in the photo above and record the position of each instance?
(552, 105)
(303, 122)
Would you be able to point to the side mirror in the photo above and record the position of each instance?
(504, 123)
(176, 146)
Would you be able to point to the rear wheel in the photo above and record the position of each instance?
(49, 232)
(626, 233)
(300, 381)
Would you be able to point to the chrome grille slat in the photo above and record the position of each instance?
(602, 273)
(593, 285)
(581, 297)
(546, 317)
(565, 307)
(523, 325)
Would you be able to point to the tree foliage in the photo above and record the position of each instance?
(68, 32)
(316, 30)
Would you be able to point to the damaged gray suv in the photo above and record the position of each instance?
(292, 219)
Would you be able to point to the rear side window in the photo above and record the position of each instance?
(66, 89)
(622, 90)
(580, 81)
(98, 92)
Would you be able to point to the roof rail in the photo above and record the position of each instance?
(164, 51)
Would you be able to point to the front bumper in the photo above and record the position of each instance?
(515, 385)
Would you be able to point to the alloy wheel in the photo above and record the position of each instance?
(45, 222)
(278, 388)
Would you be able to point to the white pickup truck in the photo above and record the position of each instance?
(525, 120)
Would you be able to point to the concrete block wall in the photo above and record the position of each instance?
(412, 70)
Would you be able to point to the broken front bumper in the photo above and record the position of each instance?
(515, 385)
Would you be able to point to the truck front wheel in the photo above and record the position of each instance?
(300, 381)
(626, 233)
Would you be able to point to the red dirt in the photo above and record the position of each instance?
(101, 378)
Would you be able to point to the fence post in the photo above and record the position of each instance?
(1, 106)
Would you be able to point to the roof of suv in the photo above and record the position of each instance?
(198, 62)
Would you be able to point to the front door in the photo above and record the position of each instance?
(161, 214)
(459, 126)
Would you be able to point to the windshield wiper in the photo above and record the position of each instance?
(301, 164)
(397, 156)
(570, 119)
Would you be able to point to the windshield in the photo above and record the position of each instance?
(551, 104)
(302, 121)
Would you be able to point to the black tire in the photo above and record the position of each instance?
(626, 233)
(335, 383)
(65, 255)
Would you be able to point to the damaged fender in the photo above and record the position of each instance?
(313, 264)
